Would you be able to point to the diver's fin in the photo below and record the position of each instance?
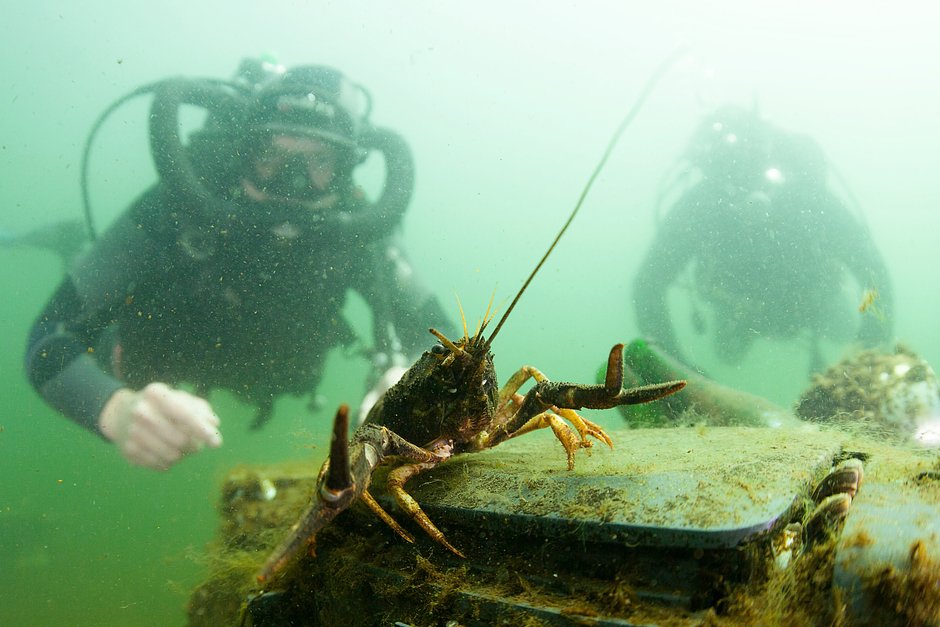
(65, 238)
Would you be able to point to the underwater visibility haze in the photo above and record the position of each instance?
(507, 108)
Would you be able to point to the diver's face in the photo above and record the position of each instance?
(293, 168)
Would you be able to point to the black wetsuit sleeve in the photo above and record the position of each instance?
(60, 363)
(672, 249)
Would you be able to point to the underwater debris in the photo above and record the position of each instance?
(869, 305)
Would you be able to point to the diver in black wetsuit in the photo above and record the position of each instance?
(762, 242)
(231, 272)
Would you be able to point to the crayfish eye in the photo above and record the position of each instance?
(438, 349)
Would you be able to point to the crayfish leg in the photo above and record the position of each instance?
(372, 504)
(585, 427)
(565, 435)
(397, 479)
(517, 380)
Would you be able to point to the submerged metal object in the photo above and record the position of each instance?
(663, 526)
(676, 488)
(686, 526)
(799, 524)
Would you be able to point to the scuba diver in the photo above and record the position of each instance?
(763, 244)
(232, 270)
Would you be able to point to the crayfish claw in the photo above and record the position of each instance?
(613, 381)
(647, 393)
(339, 476)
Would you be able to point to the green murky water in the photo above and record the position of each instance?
(507, 109)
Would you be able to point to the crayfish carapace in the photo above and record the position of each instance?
(450, 402)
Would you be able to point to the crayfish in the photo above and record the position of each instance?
(450, 402)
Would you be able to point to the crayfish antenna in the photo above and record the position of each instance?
(463, 318)
(627, 120)
(339, 476)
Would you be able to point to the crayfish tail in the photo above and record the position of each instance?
(339, 477)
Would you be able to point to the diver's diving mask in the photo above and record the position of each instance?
(293, 168)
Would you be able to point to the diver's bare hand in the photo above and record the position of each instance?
(157, 426)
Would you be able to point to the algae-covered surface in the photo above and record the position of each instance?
(672, 527)
(685, 486)
(887, 570)
(660, 528)
(888, 557)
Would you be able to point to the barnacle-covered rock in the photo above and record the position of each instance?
(897, 392)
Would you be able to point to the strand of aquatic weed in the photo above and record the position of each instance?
(651, 82)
